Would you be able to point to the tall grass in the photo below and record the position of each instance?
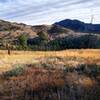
(63, 75)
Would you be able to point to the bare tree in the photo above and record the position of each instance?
(7, 44)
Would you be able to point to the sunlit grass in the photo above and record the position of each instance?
(31, 57)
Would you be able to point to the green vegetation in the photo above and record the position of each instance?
(43, 36)
(19, 70)
(23, 40)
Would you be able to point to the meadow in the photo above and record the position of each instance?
(72, 74)
(29, 57)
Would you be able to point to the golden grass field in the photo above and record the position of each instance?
(31, 57)
(63, 74)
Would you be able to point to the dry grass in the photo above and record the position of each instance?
(38, 83)
(40, 80)
(29, 57)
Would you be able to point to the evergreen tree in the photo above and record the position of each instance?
(23, 40)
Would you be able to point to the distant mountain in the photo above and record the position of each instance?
(79, 26)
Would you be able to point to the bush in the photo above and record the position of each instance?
(43, 36)
(23, 40)
(14, 72)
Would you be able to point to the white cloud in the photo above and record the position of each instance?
(48, 11)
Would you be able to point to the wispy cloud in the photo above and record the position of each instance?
(48, 11)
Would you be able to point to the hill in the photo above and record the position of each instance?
(79, 26)
(59, 36)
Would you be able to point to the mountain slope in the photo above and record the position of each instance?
(79, 26)
(61, 35)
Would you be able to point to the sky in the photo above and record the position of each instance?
(35, 12)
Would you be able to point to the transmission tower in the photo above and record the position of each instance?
(92, 16)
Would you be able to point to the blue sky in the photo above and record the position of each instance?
(36, 12)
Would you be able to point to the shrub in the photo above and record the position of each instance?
(23, 40)
(14, 72)
(43, 36)
(46, 65)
